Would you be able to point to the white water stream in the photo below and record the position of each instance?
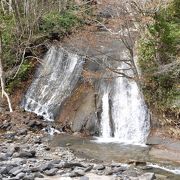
(105, 121)
(129, 114)
(56, 78)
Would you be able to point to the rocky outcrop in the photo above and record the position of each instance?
(79, 111)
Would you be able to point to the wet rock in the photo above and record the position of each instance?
(146, 168)
(20, 175)
(51, 172)
(85, 118)
(29, 177)
(16, 170)
(69, 165)
(27, 154)
(99, 167)
(108, 171)
(3, 170)
(79, 172)
(10, 166)
(88, 168)
(35, 169)
(147, 176)
(55, 161)
(122, 168)
(38, 175)
(19, 161)
(47, 166)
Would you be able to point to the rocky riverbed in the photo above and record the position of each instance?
(29, 157)
(28, 152)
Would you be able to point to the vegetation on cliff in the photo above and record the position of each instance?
(27, 26)
(160, 63)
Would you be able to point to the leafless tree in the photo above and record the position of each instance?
(4, 93)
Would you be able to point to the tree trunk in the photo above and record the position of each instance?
(2, 74)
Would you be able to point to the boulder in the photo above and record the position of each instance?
(51, 172)
(27, 154)
(47, 166)
(16, 170)
(99, 167)
(20, 175)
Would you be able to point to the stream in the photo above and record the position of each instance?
(88, 148)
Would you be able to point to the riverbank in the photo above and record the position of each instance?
(25, 154)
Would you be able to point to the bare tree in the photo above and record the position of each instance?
(4, 93)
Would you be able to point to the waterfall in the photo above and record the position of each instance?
(105, 123)
(128, 113)
(56, 78)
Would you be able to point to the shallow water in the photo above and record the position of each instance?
(88, 148)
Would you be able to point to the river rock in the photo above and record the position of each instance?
(51, 172)
(79, 172)
(99, 167)
(29, 177)
(130, 172)
(27, 154)
(3, 157)
(108, 171)
(16, 170)
(22, 132)
(20, 175)
(19, 161)
(55, 161)
(38, 175)
(87, 169)
(47, 166)
(35, 169)
(3, 170)
(147, 176)
(10, 166)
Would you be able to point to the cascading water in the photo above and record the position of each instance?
(56, 78)
(129, 114)
(105, 120)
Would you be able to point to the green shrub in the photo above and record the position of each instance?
(162, 39)
(62, 23)
(23, 75)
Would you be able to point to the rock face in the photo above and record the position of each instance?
(79, 111)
